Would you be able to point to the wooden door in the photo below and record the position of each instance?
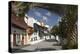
(22, 40)
(14, 39)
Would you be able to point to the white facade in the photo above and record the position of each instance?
(20, 36)
(30, 21)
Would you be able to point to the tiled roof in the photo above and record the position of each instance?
(18, 21)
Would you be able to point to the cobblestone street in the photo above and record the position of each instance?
(45, 45)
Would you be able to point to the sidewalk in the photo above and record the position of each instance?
(43, 45)
(31, 43)
(39, 45)
(28, 47)
(37, 41)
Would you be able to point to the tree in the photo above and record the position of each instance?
(55, 31)
(20, 8)
(69, 26)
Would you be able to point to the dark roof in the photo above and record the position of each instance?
(18, 21)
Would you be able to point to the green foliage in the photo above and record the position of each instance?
(68, 27)
(55, 30)
(20, 8)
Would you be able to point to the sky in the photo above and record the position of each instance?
(49, 18)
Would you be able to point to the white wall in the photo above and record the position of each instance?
(17, 30)
(30, 21)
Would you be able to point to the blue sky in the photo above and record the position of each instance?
(48, 17)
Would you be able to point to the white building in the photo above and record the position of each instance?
(30, 22)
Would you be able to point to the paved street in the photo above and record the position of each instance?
(45, 45)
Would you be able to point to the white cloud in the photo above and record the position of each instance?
(59, 19)
(50, 27)
(37, 13)
(48, 14)
(45, 18)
